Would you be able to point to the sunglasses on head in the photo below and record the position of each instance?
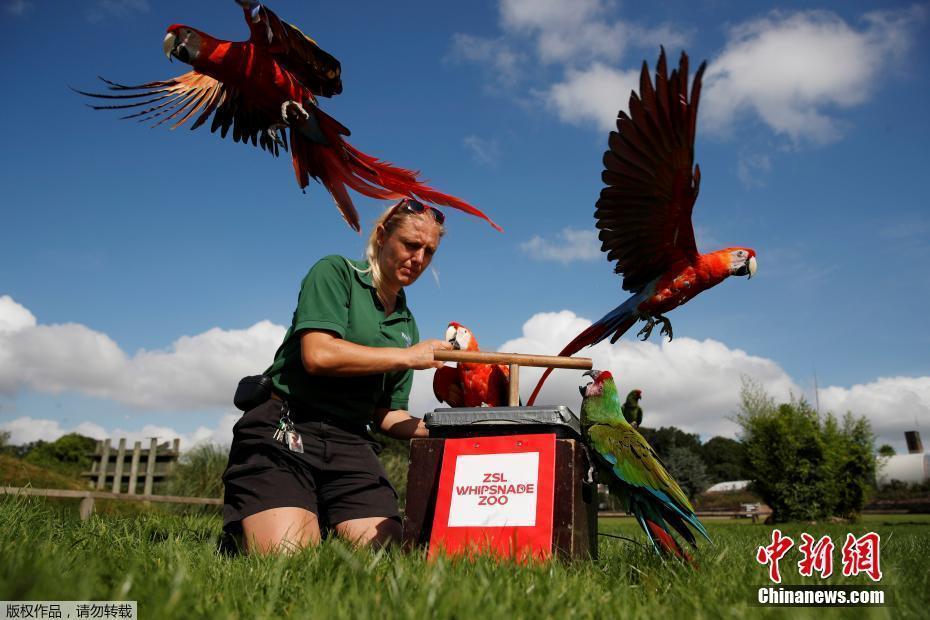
(415, 206)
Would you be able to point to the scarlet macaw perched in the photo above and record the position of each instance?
(470, 385)
(644, 213)
(633, 471)
(263, 86)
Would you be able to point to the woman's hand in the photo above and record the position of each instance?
(421, 354)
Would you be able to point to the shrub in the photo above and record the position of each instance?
(687, 468)
(805, 467)
(69, 454)
(725, 459)
(199, 472)
(395, 456)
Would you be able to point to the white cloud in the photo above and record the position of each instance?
(506, 63)
(893, 404)
(687, 383)
(793, 70)
(564, 31)
(26, 429)
(751, 169)
(593, 95)
(571, 245)
(18, 7)
(581, 40)
(486, 152)
(195, 372)
(580, 31)
(13, 316)
(694, 384)
(103, 9)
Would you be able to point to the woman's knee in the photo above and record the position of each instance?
(280, 530)
(373, 531)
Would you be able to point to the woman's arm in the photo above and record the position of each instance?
(324, 353)
(399, 424)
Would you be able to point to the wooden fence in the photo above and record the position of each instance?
(87, 497)
(110, 473)
(109, 468)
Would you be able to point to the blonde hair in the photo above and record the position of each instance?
(390, 220)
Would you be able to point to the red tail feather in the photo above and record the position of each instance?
(405, 182)
(667, 542)
(338, 165)
(594, 332)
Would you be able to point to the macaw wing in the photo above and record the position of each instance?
(644, 213)
(447, 386)
(317, 70)
(180, 99)
(631, 459)
(500, 383)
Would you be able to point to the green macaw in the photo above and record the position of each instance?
(631, 409)
(633, 470)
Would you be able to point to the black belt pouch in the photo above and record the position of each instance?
(252, 391)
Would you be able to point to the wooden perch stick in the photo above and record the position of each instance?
(539, 361)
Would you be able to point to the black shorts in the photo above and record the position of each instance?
(338, 476)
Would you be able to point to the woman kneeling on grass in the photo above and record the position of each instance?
(304, 457)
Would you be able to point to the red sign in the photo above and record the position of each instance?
(495, 496)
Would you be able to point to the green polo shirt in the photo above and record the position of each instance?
(337, 298)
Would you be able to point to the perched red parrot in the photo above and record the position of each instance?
(263, 86)
(470, 385)
(644, 213)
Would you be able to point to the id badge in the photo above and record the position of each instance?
(294, 442)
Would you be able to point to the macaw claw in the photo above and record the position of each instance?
(303, 120)
(666, 327)
(646, 331)
(293, 113)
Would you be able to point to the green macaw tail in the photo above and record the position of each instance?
(678, 517)
(656, 519)
(656, 528)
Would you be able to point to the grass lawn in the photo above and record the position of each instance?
(169, 564)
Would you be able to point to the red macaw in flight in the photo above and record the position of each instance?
(263, 86)
(470, 385)
(644, 213)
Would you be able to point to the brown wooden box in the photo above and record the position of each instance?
(574, 522)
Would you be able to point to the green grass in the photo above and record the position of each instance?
(16, 472)
(169, 564)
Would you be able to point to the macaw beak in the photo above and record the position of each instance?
(748, 268)
(584, 388)
(450, 338)
(168, 44)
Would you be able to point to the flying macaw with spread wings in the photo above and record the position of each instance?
(262, 87)
(644, 213)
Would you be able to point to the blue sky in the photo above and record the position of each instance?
(142, 271)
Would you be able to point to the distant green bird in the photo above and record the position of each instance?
(633, 471)
(631, 409)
